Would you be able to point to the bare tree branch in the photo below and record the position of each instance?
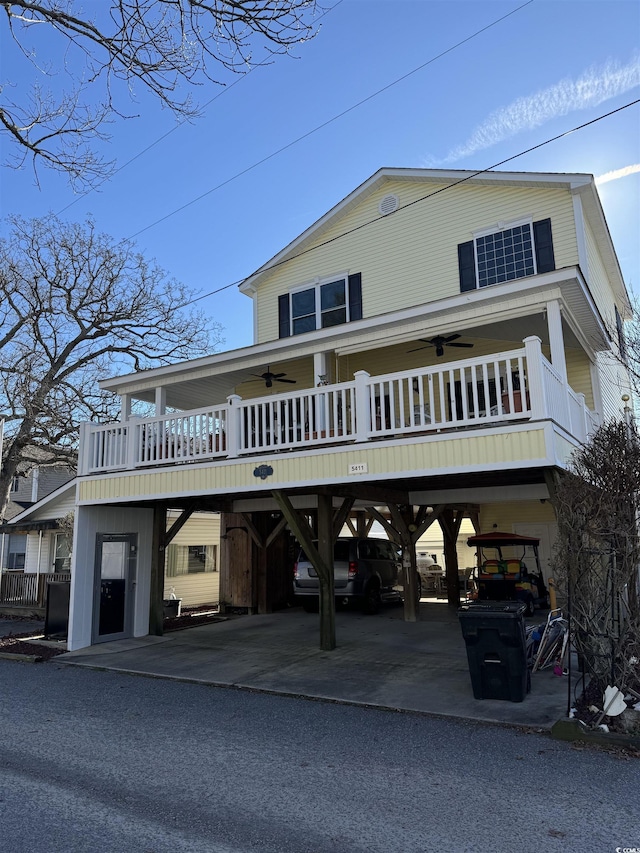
(78, 306)
(162, 46)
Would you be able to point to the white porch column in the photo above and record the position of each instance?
(363, 410)
(537, 391)
(161, 401)
(233, 425)
(321, 368)
(556, 338)
(125, 407)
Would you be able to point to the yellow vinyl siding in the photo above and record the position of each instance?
(202, 528)
(505, 515)
(410, 257)
(432, 456)
(194, 590)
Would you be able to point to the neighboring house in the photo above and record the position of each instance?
(27, 489)
(192, 564)
(438, 339)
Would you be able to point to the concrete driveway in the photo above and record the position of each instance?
(380, 661)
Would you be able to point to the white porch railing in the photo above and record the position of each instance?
(494, 389)
(315, 416)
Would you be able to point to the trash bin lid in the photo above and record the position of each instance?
(492, 608)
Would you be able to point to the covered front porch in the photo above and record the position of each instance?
(496, 391)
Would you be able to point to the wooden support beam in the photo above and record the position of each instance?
(253, 532)
(450, 521)
(323, 566)
(326, 539)
(341, 515)
(156, 591)
(178, 524)
(404, 523)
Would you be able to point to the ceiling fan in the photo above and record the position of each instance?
(440, 342)
(270, 378)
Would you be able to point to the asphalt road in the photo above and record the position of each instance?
(105, 763)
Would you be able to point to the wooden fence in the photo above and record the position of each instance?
(19, 589)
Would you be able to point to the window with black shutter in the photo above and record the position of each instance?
(505, 254)
(328, 302)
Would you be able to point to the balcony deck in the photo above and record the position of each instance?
(496, 391)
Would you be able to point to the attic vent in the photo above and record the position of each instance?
(388, 204)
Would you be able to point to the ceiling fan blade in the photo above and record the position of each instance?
(419, 348)
(290, 381)
(459, 345)
(450, 338)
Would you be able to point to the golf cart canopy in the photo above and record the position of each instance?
(496, 539)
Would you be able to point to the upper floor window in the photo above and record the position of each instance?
(327, 302)
(503, 254)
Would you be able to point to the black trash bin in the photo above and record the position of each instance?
(56, 619)
(495, 637)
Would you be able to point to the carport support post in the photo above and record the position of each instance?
(156, 603)
(403, 522)
(450, 521)
(327, 587)
(324, 569)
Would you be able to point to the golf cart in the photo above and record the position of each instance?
(502, 574)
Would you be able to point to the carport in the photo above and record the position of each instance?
(380, 661)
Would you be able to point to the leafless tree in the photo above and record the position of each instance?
(88, 60)
(598, 552)
(76, 306)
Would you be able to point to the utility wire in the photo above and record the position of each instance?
(174, 128)
(331, 120)
(415, 201)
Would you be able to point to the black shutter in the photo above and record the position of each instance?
(284, 321)
(545, 260)
(355, 296)
(467, 266)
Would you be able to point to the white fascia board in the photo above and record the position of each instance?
(455, 176)
(594, 213)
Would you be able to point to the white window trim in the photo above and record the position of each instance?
(503, 226)
(315, 284)
(496, 229)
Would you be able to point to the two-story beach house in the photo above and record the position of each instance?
(439, 340)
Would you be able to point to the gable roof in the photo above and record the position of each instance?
(580, 183)
(44, 511)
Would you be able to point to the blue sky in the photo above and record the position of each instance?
(548, 67)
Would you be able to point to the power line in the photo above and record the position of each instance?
(175, 127)
(331, 120)
(416, 201)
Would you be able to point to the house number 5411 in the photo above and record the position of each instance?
(358, 468)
